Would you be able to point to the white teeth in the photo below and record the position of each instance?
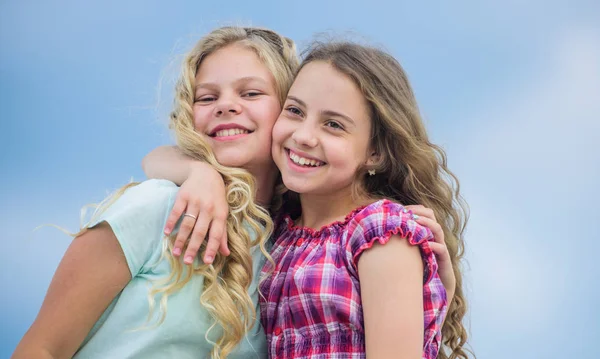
(231, 132)
(303, 161)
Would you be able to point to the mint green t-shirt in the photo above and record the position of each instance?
(137, 218)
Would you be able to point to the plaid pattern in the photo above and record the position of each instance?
(311, 306)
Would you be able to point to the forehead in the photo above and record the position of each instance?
(324, 88)
(230, 63)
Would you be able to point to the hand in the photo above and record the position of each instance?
(426, 217)
(201, 201)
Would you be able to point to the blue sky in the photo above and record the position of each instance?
(510, 90)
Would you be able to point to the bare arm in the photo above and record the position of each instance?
(167, 162)
(202, 198)
(91, 274)
(391, 280)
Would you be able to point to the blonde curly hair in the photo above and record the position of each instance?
(226, 282)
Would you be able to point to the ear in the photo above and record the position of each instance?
(373, 159)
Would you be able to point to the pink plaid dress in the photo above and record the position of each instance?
(311, 306)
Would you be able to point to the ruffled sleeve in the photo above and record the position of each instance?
(381, 220)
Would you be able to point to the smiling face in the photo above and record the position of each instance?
(235, 107)
(322, 135)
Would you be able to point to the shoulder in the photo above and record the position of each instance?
(148, 199)
(378, 223)
(150, 193)
(137, 214)
(379, 208)
(383, 219)
(138, 204)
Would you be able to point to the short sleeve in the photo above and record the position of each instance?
(137, 219)
(380, 221)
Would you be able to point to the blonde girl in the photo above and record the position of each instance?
(117, 293)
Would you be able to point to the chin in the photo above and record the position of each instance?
(231, 160)
(296, 185)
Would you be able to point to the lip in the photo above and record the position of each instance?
(227, 126)
(302, 169)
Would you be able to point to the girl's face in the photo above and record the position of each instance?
(235, 107)
(322, 135)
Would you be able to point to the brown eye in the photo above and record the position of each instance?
(334, 125)
(294, 110)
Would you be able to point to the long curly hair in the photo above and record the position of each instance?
(410, 169)
(226, 282)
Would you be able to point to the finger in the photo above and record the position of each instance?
(224, 248)
(422, 211)
(440, 251)
(178, 208)
(221, 216)
(198, 235)
(211, 250)
(436, 229)
(214, 240)
(414, 207)
(185, 229)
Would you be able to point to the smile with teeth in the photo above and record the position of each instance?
(302, 161)
(230, 132)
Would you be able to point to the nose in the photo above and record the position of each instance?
(304, 135)
(226, 106)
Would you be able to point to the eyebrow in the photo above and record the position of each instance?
(327, 113)
(296, 99)
(241, 80)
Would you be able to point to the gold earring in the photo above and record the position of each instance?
(371, 172)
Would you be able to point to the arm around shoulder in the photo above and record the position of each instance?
(168, 162)
(391, 282)
(91, 274)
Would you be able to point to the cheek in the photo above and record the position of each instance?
(201, 116)
(265, 114)
(271, 116)
(279, 131)
(346, 154)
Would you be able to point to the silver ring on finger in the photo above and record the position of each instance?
(190, 215)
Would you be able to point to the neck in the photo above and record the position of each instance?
(319, 210)
(265, 184)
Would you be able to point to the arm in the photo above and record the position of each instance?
(391, 281)
(91, 274)
(202, 197)
(167, 162)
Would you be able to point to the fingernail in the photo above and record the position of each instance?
(176, 251)
(167, 230)
(208, 259)
(415, 216)
(188, 260)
